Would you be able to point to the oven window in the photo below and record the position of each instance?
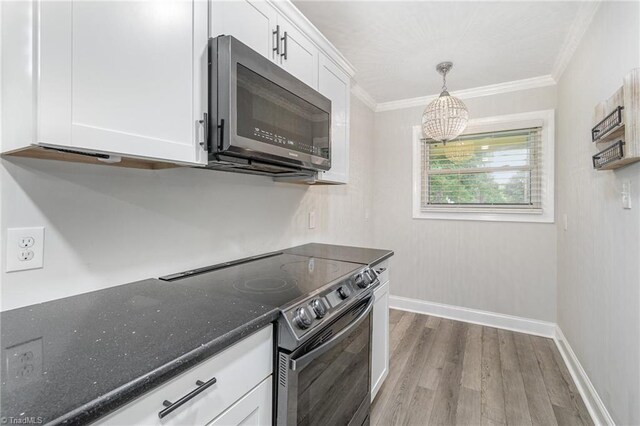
(333, 386)
(273, 115)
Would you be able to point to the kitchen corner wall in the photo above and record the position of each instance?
(599, 253)
(107, 226)
(502, 267)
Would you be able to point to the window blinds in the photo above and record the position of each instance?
(497, 170)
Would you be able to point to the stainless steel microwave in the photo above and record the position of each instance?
(263, 120)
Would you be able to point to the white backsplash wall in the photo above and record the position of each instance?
(107, 226)
(599, 253)
(502, 267)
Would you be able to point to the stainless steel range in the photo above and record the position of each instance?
(323, 332)
(324, 354)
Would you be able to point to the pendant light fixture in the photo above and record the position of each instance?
(446, 117)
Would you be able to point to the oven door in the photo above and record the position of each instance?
(263, 112)
(327, 380)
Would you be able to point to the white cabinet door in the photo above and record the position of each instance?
(380, 338)
(124, 77)
(298, 55)
(253, 22)
(335, 84)
(253, 409)
(237, 369)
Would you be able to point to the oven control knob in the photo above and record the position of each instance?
(369, 276)
(344, 292)
(361, 281)
(319, 308)
(302, 318)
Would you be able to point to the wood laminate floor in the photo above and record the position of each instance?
(445, 372)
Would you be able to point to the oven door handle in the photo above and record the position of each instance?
(304, 360)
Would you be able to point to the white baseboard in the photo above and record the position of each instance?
(591, 399)
(475, 316)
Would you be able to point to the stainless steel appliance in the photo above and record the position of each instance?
(324, 355)
(263, 120)
(323, 331)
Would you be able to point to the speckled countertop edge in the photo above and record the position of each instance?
(382, 258)
(118, 397)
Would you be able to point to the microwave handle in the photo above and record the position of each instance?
(304, 360)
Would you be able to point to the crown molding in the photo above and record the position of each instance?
(476, 92)
(359, 92)
(577, 30)
(296, 17)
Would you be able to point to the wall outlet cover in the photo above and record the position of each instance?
(312, 219)
(23, 363)
(24, 248)
(626, 194)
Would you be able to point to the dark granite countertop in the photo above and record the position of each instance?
(93, 352)
(365, 256)
(72, 360)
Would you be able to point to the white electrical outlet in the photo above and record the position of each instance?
(26, 242)
(626, 194)
(312, 219)
(24, 248)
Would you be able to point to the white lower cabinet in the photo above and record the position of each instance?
(380, 335)
(253, 409)
(240, 395)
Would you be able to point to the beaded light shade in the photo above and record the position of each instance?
(446, 117)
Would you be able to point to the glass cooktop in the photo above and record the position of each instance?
(276, 280)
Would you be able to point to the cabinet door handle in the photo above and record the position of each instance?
(205, 125)
(171, 406)
(276, 34)
(284, 48)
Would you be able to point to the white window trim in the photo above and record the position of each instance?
(489, 124)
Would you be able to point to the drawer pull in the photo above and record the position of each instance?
(171, 406)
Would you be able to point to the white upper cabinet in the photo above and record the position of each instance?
(129, 78)
(254, 23)
(335, 84)
(258, 24)
(126, 78)
(297, 54)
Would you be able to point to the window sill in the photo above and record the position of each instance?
(487, 215)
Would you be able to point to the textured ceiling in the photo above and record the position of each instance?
(395, 45)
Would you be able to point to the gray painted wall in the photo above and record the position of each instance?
(599, 254)
(502, 267)
(107, 226)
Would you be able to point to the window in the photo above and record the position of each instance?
(499, 169)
